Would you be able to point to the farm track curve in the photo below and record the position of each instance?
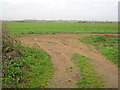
(62, 47)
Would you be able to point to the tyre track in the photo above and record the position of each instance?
(62, 47)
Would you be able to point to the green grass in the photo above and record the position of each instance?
(89, 77)
(108, 46)
(31, 69)
(40, 68)
(52, 28)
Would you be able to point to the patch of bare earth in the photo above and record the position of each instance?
(62, 47)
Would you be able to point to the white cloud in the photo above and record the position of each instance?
(60, 9)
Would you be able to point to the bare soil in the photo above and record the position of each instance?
(62, 47)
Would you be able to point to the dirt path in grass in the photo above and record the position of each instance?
(62, 47)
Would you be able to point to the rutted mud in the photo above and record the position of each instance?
(62, 47)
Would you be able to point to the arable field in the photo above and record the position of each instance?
(70, 55)
(51, 28)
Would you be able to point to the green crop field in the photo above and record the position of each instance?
(32, 67)
(52, 28)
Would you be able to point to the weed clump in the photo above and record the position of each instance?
(12, 63)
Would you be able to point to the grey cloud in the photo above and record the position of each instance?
(60, 9)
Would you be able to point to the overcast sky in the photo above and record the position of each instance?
(101, 10)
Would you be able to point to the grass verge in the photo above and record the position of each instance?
(89, 79)
(40, 69)
(107, 46)
(24, 67)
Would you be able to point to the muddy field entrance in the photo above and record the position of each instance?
(62, 47)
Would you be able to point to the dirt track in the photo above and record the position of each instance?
(62, 47)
